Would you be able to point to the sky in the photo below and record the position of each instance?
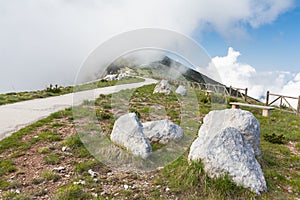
(252, 43)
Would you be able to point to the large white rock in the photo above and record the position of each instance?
(162, 87)
(242, 120)
(162, 131)
(226, 151)
(128, 132)
(181, 90)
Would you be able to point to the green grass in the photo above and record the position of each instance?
(6, 167)
(50, 176)
(72, 192)
(281, 167)
(77, 147)
(52, 159)
(14, 97)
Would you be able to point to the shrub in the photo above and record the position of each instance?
(275, 139)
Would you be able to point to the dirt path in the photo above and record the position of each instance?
(15, 116)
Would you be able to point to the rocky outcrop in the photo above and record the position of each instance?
(181, 90)
(225, 146)
(128, 132)
(229, 153)
(242, 120)
(162, 131)
(163, 87)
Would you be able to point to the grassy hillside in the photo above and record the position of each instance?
(56, 90)
(27, 158)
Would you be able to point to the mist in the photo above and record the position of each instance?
(43, 42)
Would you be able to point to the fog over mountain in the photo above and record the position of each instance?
(43, 42)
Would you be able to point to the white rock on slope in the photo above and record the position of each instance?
(227, 152)
(162, 131)
(128, 132)
(181, 90)
(162, 87)
(242, 120)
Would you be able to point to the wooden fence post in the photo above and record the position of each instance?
(246, 93)
(298, 108)
(267, 98)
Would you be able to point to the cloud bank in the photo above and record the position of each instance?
(241, 75)
(44, 42)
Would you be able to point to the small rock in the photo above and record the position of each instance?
(59, 169)
(126, 187)
(36, 136)
(64, 148)
(102, 193)
(94, 194)
(116, 194)
(110, 173)
(168, 189)
(96, 180)
(92, 173)
(80, 182)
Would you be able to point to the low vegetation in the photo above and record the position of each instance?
(28, 157)
(56, 90)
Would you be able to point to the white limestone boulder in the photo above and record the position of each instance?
(226, 151)
(181, 90)
(242, 120)
(162, 131)
(163, 87)
(128, 132)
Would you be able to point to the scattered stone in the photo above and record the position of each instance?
(126, 187)
(59, 169)
(95, 180)
(110, 173)
(168, 189)
(36, 136)
(64, 149)
(181, 90)
(121, 76)
(163, 87)
(226, 151)
(162, 131)
(80, 182)
(110, 77)
(128, 132)
(92, 173)
(94, 194)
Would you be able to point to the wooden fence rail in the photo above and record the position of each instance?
(211, 88)
(283, 99)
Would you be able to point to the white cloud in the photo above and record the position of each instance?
(242, 75)
(44, 42)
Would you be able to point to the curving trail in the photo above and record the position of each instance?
(15, 116)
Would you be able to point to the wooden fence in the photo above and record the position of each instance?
(211, 88)
(282, 100)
